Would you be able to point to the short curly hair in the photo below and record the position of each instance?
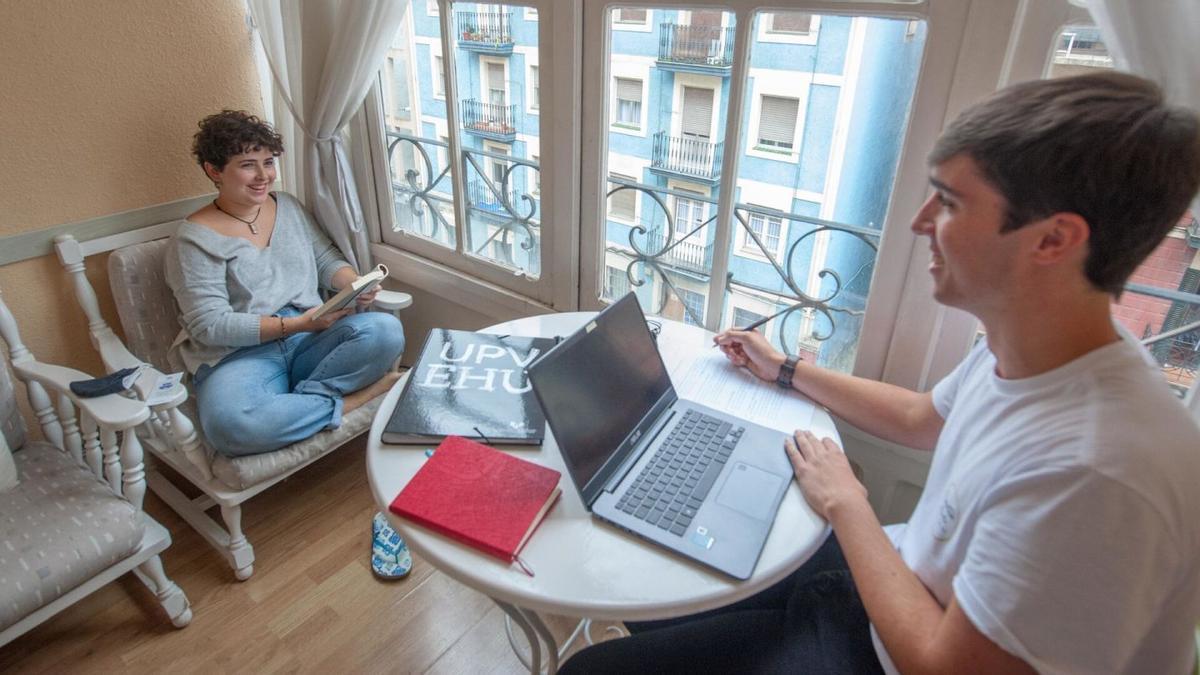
(232, 132)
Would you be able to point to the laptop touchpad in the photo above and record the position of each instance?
(750, 490)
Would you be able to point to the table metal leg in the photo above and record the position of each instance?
(534, 628)
(552, 652)
(512, 614)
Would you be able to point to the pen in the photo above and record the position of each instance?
(752, 326)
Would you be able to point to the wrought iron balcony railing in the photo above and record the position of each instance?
(705, 46)
(480, 196)
(490, 119)
(422, 193)
(693, 157)
(487, 30)
(663, 249)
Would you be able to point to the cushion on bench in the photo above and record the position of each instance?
(58, 528)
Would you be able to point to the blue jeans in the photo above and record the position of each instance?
(811, 622)
(267, 396)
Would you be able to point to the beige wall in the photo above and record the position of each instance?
(100, 102)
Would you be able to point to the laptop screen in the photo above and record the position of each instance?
(598, 385)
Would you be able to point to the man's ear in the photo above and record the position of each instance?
(1062, 235)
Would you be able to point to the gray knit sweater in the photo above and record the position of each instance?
(223, 285)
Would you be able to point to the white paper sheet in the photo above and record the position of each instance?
(707, 377)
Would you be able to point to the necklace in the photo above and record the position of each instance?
(250, 223)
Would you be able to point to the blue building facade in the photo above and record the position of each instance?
(824, 109)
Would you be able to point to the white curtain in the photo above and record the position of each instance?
(1157, 39)
(323, 56)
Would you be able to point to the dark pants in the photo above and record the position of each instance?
(811, 622)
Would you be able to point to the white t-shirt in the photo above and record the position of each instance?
(1063, 511)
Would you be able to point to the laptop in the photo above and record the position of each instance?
(695, 480)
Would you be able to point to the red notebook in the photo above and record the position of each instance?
(479, 496)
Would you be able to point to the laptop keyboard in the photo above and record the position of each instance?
(671, 488)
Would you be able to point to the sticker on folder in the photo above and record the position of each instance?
(700, 538)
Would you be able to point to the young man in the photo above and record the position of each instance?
(1057, 530)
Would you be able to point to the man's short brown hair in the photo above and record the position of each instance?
(232, 132)
(1104, 146)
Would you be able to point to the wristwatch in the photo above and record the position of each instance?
(786, 370)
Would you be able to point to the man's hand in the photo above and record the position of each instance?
(823, 473)
(308, 323)
(751, 349)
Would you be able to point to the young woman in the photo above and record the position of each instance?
(246, 271)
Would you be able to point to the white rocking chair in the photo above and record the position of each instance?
(74, 521)
(147, 312)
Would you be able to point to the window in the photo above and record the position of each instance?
(616, 282)
(629, 15)
(535, 96)
(537, 176)
(744, 317)
(439, 77)
(797, 28)
(852, 160)
(693, 307)
(629, 103)
(431, 7)
(795, 23)
(622, 205)
(777, 122)
(496, 85)
(769, 230)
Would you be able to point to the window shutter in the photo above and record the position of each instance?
(495, 73)
(697, 111)
(623, 204)
(629, 89)
(791, 22)
(777, 121)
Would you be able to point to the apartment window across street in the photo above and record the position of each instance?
(629, 15)
(777, 122)
(744, 317)
(693, 303)
(629, 102)
(533, 84)
(793, 23)
(439, 77)
(769, 230)
(623, 203)
(616, 282)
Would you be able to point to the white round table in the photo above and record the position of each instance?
(583, 567)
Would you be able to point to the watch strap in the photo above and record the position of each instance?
(786, 370)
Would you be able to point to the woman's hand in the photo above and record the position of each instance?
(823, 472)
(309, 324)
(367, 298)
(750, 349)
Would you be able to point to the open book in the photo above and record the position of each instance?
(352, 290)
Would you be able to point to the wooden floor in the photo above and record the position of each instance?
(311, 606)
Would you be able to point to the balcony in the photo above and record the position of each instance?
(490, 120)
(692, 158)
(486, 32)
(695, 49)
(689, 255)
(481, 197)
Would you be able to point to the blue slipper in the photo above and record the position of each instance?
(390, 558)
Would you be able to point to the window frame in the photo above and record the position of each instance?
(907, 338)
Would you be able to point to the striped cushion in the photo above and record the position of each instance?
(58, 528)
